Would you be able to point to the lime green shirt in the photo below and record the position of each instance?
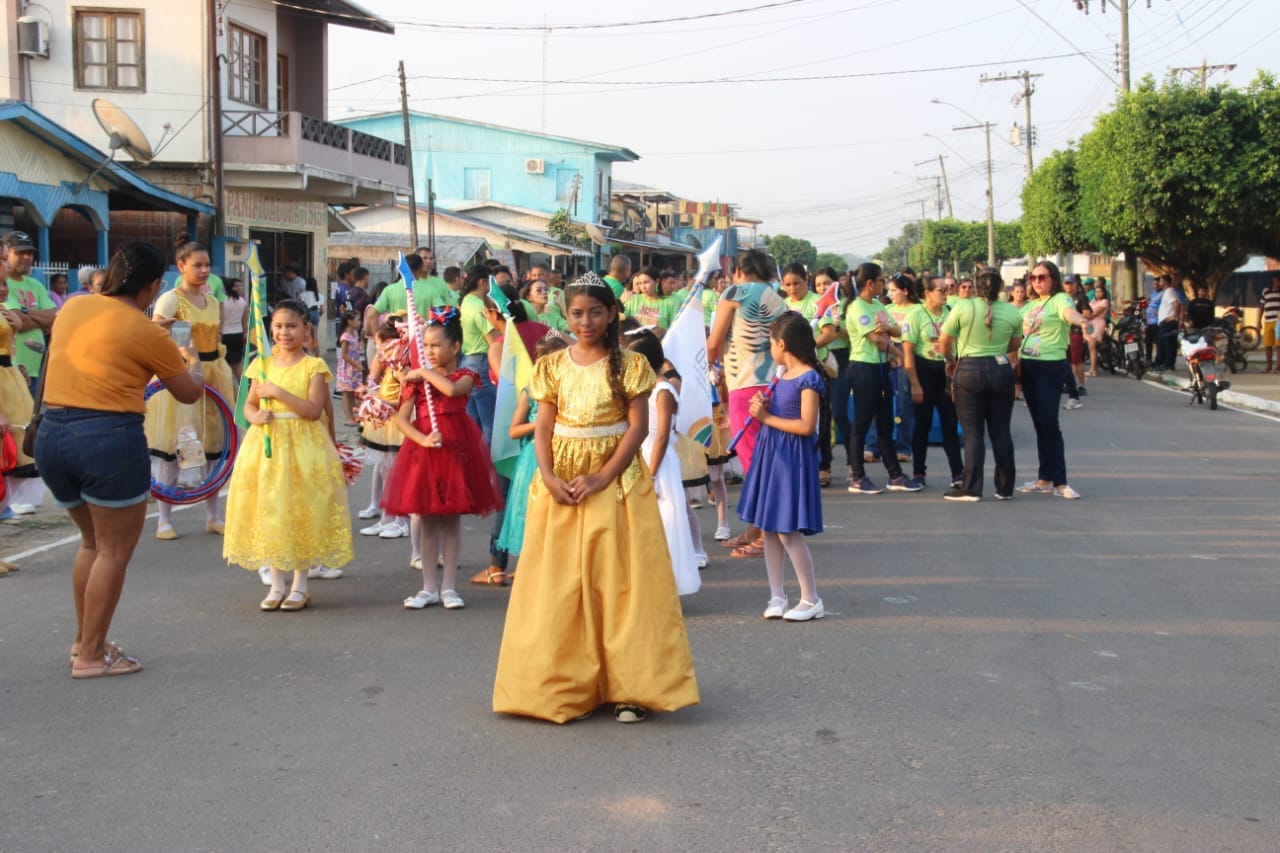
(475, 325)
(834, 316)
(651, 310)
(967, 325)
(922, 332)
(1045, 330)
(428, 293)
(709, 300)
(807, 307)
(616, 286)
(860, 320)
(901, 315)
(552, 317)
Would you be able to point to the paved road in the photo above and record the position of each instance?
(1036, 675)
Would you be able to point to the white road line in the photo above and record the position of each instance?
(66, 540)
(1221, 405)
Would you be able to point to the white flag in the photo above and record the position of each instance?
(685, 346)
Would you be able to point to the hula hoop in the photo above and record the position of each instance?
(222, 465)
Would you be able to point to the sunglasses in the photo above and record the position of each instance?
(1039, 278)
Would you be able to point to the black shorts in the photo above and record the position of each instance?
(235, 347)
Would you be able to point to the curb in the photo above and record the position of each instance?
(1231, 398)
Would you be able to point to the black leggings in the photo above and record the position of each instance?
(872, 400)
(932, 376)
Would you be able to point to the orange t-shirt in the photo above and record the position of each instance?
(102, 354)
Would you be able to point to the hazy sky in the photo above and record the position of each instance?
(832, 160)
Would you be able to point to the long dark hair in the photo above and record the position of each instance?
(134, 266)
(514, 303)
(1055, 276)
(865, 273)
(475, 276)
(755, 265)
(591, 286)
(647, 344)
(797, 338)
(989, 286)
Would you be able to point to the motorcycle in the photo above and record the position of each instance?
(1202, 364)
(1227, 337)
(1249, 336)
(1127, 336)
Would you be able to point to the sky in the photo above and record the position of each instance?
(843, 149)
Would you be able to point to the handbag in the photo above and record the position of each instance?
(951, 380)
(37, 409)
(830, 366)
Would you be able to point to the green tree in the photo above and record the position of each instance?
(963, 245)
(561, 229)
(1189, 179)
(791, 250)
(1050, 208)
(831, 259)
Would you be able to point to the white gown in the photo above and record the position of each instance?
(671, 500)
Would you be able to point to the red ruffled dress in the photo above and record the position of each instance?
(456, 479)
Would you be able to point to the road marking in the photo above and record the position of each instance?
(900, 599)
(66, 540)
(1175, 389)
(1087, 685)
(1105, 654)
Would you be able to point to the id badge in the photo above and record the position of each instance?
(1002, 360)
(1032, 347)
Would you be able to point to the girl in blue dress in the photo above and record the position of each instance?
(781, 494)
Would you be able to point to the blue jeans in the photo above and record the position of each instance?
(484, 397)
(1042, 388)
(90, 456)
(984, 401)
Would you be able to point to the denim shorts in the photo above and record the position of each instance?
(91, 456)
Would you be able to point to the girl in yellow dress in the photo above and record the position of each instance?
(191, 302)
(288, 511)
(595, 618)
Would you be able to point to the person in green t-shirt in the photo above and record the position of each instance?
(30, 302)
(538, 294)
(1046, 332)
(477, 334)
(646, 305)
(872, 353)
(980, 340)
(927, 379)
(716, 282)
(619, 275)
(800, 299)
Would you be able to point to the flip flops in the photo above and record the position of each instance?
(114, 662)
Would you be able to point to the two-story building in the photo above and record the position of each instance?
(230, 97)
(504, 174)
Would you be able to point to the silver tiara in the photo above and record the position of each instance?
(589, 279)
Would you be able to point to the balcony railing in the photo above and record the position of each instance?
(268, 123)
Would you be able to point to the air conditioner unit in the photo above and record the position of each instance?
(534, 166)
(33, 37)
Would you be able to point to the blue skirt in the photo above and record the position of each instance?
(511, 538)
(781, 493)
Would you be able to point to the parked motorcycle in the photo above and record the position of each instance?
(1202, 364)
(1127, 334)
(1249, 336)
(1226, 332)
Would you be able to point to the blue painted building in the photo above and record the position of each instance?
(471, 162)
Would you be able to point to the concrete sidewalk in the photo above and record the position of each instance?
(1250, 389)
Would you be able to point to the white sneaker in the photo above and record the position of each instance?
(1073, 404)
(264, 573)
(324, 573)
(1067, 492)
(700, 557)
(804, 611)
(722, 533)
(421, 599)
(369, 512)
(23, 509)
(394, 531)
(451, 600)
(777, 606)
(376, 529)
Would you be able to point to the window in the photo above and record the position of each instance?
(282, 83)
(475, 184)
(247, 67)
(109, 50)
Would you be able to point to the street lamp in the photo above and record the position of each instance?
(991, 210)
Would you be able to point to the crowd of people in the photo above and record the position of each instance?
(593, 522)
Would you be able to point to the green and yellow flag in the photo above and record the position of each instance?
(259, 341)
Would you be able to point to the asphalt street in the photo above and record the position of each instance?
(1034, 675)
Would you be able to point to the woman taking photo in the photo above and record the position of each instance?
(980, 341)
(927, 374)
(91, 448)
(1046, 334)
(746, 308)
(538, 293)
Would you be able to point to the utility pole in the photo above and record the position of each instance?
(408, 159)
(991, 209)
(946, 187)
(1205, 70)
(906, 261)
(936, 180)
(1025, 77)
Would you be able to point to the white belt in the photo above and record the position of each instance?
(566, 431)
(283, 416)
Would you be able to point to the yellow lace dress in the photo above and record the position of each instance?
(289, 511)
(15, 401)
(594, 617)
(165, 414)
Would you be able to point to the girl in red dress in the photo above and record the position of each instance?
(443, 470)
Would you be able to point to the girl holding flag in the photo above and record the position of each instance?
(285, 406)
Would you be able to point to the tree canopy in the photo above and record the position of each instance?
(963, 245)
(831, 259)
(1190, 180)
(791, 250)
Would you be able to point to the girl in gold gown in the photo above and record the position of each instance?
(594, 618)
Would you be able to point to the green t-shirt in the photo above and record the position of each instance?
(475, 325)
(834, 316)
(967, 325)
(616, 286)
(651, 310)
(901, 315)
(807, 307)
(29, 293)
(922, 332)
(215, 285)
(1045, 330)
(709, 301)
(860, 320)
(552, 317)
(428, 293)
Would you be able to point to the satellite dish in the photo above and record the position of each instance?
(122, 131)
(596, 233)
(693, 241)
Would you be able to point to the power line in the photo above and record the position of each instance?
(430, 25)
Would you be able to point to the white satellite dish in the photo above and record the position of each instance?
(122, 131)
(597, 234)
